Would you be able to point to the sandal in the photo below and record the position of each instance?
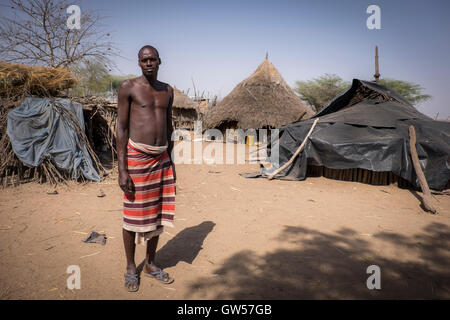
(160, 275)
(132, 282)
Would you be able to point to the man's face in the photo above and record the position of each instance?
(149, 62)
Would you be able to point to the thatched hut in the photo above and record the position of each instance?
(263, 100)
(184, 110)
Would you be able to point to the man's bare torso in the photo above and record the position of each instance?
(148, 111)
(144, 113)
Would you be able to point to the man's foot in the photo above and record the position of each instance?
(132, 282)
(152, 271)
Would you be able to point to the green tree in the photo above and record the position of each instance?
(115, 81)
(319, 91)
(410, 91)
(93, 78)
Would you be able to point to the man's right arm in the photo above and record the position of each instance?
(122, 135)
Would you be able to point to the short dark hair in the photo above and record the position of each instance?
(148, 47)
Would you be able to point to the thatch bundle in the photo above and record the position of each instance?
(7, 157)
(18, 80)
(364, 93)
(262, 100)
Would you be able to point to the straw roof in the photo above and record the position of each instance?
(182, 101)
(263, 99)
(21, 80)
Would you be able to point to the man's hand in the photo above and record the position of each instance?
(174, 174)
(125, 182)
(175, 179)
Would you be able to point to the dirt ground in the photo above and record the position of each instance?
(234, 238)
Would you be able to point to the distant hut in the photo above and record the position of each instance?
(263, 100)
(184, 110)
(204, 104)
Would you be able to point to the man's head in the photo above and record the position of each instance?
(149, 60)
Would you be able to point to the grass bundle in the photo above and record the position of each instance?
(17, 81)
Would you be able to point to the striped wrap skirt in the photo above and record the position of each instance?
(151, 205)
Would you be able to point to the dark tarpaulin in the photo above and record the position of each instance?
(370, 135)
(38, 131)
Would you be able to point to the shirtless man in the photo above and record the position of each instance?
(146, 171)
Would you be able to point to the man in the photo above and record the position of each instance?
(146, 171)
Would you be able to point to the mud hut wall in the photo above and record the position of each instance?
(184, 118)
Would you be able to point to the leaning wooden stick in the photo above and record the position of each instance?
(300, 148)
(427, 199)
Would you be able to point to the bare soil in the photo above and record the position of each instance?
(234, 238)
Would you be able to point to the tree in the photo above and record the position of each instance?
(410, 91)
(115, 81)
(37, 33)
(319, 91)
(93, 78)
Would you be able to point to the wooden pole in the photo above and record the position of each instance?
(365, 173)
(295, 154)
(377, 66)
(427, 200)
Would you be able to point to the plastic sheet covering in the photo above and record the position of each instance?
(38, 131)
(372, 135)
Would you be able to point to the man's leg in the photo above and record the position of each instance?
(130, 247)
(150, 267)
(152, 244)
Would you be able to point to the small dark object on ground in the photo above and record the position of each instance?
(95, 237)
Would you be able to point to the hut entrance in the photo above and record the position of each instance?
(228, 124)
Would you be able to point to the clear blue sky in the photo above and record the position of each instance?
(219, 43)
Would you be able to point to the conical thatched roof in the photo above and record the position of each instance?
(263, 99)
(182, 101)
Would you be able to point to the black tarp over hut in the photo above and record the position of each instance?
(362, 135)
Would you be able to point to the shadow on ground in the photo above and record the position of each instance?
(185, 246)
(333, 266)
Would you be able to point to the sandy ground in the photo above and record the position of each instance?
(234, 238)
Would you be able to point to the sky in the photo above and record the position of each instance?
(217, 44)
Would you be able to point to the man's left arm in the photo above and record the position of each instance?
(170, 143)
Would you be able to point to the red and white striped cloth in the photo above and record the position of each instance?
(152, 203)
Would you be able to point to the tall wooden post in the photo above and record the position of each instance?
(427, 199)
(377, 66)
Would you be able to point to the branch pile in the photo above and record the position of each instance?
(100, 118)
